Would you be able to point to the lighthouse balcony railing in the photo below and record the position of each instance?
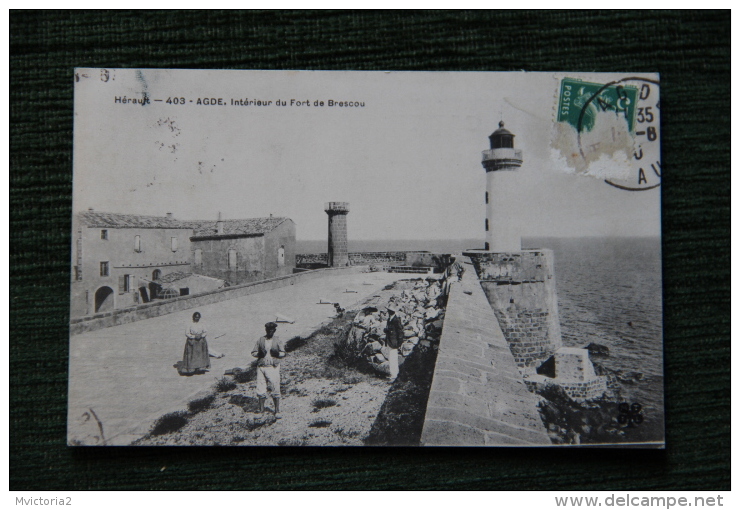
(336, 206)
(502, 153)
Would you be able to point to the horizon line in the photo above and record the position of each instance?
(483, 239)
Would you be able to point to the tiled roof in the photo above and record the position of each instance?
(173, 277)
(251, 226)
(201, 228)
(115, 220)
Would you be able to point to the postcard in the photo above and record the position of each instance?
(325, 258)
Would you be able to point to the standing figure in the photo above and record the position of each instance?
(269, 350)
(195, 358)
(393, 339)
(339, 310)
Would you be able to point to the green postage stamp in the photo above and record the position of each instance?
(610, 128)
(580, 102)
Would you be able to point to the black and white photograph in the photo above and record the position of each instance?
(366, 258)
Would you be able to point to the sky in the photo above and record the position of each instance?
(408, 162)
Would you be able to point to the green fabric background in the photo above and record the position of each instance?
(691, 50)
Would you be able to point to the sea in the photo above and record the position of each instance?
(609, 293)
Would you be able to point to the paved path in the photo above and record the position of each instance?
(478, 397)
(125, 373)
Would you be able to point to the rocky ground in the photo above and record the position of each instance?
(325, 401)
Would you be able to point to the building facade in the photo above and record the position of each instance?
(242, 251)
(123, 260)
(117, 259)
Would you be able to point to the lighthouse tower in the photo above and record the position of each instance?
(501, 162)
(519, 284)
(338, 254)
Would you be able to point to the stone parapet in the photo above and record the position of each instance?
(478, 397)
(336, 207)
(521, 266)
(408, 258)
(156, 308)
(520, 287)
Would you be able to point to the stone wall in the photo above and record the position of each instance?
(407, 258)
(157, 308)
(379, 257)
(256, 256)
(571, 369)
(520, 287)
(249, 254)
(338, 239)
(477, 396)
(311, 260)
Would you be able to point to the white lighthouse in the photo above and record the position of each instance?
(501, 162)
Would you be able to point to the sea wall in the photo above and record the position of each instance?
(477, 396)
(405, 258)
(157, 308)
(520, 287)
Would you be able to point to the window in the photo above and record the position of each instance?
(104, 271)
(137, 244)
(125, 283)
(173, 243)
(232, 259)
(486, 224)
(198, 257)
(104, 235)
(486, 197)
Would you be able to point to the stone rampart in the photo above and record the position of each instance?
(520, 287)
(477, 395)
(163, 307)
(406, 258)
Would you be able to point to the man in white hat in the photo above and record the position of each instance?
(393, 339)
(269, 350)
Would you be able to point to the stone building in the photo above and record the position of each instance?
(117, 259)
(241, 251)
(123, 260)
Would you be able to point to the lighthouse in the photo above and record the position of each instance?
(501, 162)
(519, 284)
(337, 246)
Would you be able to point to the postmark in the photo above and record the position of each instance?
(610, 129)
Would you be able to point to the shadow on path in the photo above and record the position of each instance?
(401, 418)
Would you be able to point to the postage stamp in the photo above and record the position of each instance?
(616, 119)
(365, 258)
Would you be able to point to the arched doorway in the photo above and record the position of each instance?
(103, 299)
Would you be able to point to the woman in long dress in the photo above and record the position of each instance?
(195, 358)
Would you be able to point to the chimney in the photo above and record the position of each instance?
(169, 215)
(219, 224)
